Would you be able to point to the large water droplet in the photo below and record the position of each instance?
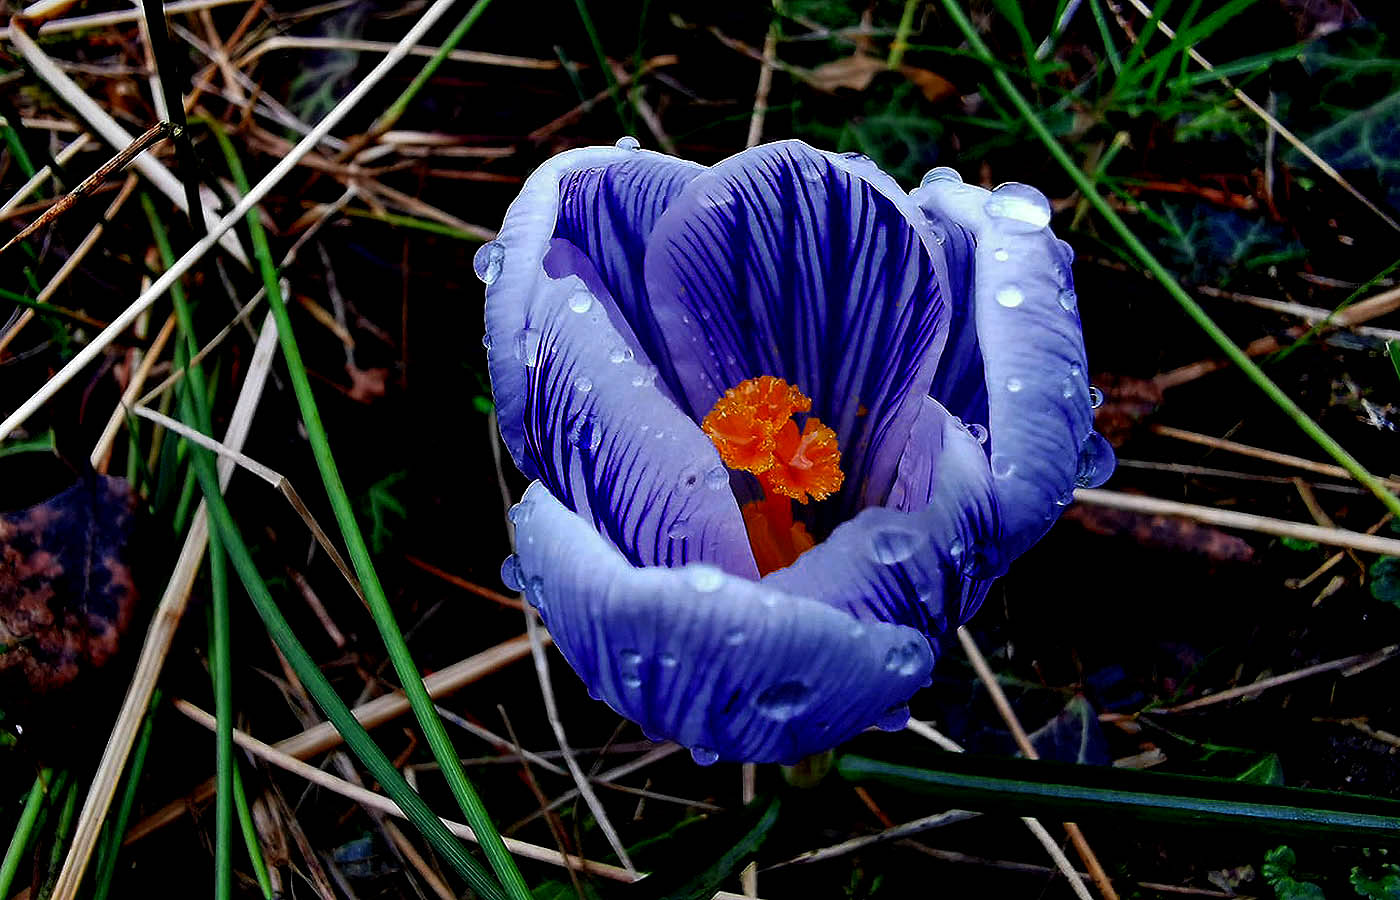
(511, 576)
(629, 664)
(527, 346)
(1018, 208)
(586, 434)
(581, 301)
(704, 756)
(942, 174)
(583, 384)
(1002, 465)
(1068, 299)
(705, 579)
(979, 432)
(488, 261)
(1096, 461)
(717, 479)
(1010, 296)
(894, 545)
(784, 701)
(628, 142)
(1014, 384)
(1095, 397)
(893, 719)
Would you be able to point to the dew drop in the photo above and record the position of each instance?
(1095, 397)
(704, 756)
(668, 660)
(941, 174)
(586, 434)
(1020, 208)
(894, 546)
(978, 432)
(692, 476)
(1014, 384)
(534, 593)
(630, 668)
(893, 719)
(1075, 370)
(518, 513)
(583, 384)
(903, 659)
(581, 301)
(956, 548)
(1010, 296)
(678, 529)
(620, 354)
(488, 261)
(1001, 255)
(1068, 299)
(628, 143)
(1002, 466)
(1096, 461)
(486, 340)
(645, 377)
(705, 579)
(527, 346)
(1067, 388)
(717, 479)
(734, 637)
(511, 575)
(784, 701)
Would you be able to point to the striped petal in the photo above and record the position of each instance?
(733, 669)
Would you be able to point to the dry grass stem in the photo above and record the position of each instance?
(904, 830)
(1023, 741)
(1350, 318)
(1283, 459)
(1333, 537)
(118, 17)
(102, 452)
(1348, 665)
(160, 634)
(287, 42)
(255, 195)
(765, 84)
(42, 175)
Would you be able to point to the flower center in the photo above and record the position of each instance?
(753, 428)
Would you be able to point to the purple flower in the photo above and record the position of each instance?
(932, 338)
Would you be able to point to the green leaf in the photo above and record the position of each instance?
(1062, 791)
(1278, 872)
(1385, 886)
(1393, 348)
(1385, 580)
(1268, 770)
(701, 857)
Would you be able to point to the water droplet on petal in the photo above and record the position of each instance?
(784, 701)
(628, 143)
(511, 575)
(1075, 370)
(956, 548)
(645, 377)
(717, 479)
(488, 261)
(692, 476)
(678, 529)
(1096, 461)
(586, 433)
(893, 719)
(1068, 299)
(620, 354)
(894, 545)
(1019, 208)
(704, 756)
(534, 593)
(903, 659)
(1014, 384)
(1095, 397)
(1002, 465)
(1010, 296)
(940, 174)
(1001, 255)
(583, 384)
(978, 432)
(581, 301)
(486, 340)
(630, 668)
(668, 660)
(734, 637)
(527, 346)
(1067, 387)
(705, 579)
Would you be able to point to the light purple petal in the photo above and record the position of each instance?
(928, 559)
(733, 669)
(583, 412)
(1039, 414)
(809, 266)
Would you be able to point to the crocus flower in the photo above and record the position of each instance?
(786, 424)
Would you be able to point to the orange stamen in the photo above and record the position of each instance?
(752, 427)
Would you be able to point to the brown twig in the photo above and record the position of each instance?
(1351, 665)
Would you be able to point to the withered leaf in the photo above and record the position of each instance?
(856, 72)
(1127, 403)
(1163, 533)
(66, 592)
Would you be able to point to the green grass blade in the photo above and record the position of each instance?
(433, 729)
(396, 109)
(602, 56)
(1063, 791)
(1165, 278)
(24, 829)
(250, 836)
(107, 857)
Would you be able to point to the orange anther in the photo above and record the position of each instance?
(804, 464)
